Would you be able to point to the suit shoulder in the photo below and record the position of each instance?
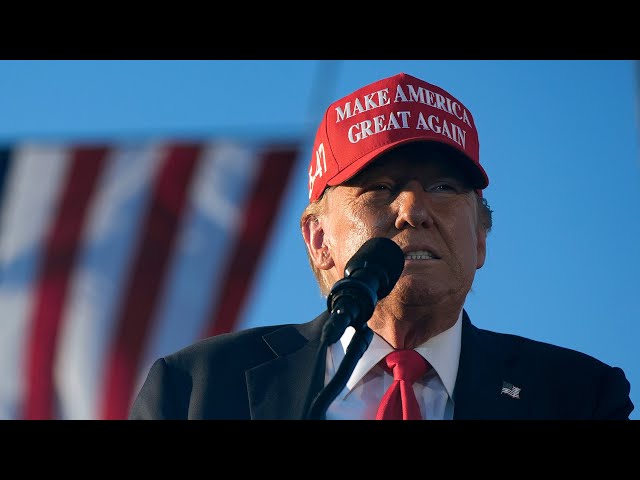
(244, 348)
(540, 349)
(225, 341)
(572, 383)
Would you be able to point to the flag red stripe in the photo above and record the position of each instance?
(149, 269)
(259, 216)
(59, 254)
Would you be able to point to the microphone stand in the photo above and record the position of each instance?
(358, 345)
(368, 276)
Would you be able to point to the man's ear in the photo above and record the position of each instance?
(313, 235)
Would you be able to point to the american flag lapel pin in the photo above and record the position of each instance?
(511, 390)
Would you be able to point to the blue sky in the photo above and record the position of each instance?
(558, 138)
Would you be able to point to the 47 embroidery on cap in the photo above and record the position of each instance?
(321, 167)
(511, 390)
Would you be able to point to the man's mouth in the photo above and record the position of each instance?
(420, 255)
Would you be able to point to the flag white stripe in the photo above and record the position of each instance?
(221, 186)
(204, 246)
(108, 242)
(32, 192)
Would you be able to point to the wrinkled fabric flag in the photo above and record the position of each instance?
(114, 254)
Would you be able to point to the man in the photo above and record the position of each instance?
(397, 159)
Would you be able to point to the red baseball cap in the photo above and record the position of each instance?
(387, 113)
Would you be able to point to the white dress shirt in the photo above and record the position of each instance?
(361, 396)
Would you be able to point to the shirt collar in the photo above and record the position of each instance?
(441, 351)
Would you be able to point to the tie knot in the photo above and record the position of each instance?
(405, 365)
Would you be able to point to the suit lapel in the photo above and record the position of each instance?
(283, 387)
(485, 368)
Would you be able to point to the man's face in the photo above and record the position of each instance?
(420, 199)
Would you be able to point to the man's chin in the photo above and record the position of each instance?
(420, 290)
(411, 283)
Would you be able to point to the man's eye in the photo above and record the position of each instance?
(443, 187)
(379, 187)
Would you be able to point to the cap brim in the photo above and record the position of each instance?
(477, 174)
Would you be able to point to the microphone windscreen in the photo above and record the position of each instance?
(382, 257)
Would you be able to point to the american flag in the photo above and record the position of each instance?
(511, 390)
(113, 254)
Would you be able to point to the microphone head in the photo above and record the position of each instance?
(381, 257)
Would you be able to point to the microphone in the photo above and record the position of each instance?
(369, 276)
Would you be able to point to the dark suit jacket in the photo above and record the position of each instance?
(273, 372)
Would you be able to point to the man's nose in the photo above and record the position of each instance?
(413, 207)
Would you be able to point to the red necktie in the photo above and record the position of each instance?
(399, 401)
